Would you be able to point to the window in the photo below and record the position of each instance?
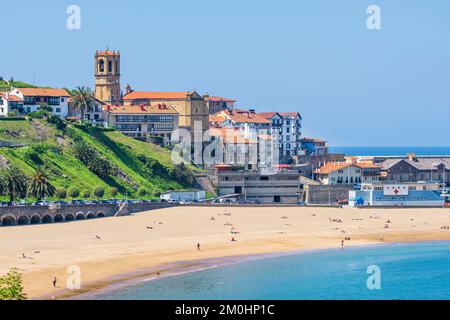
(62, 99)
(109, 66)
(53, 101)
(340, 171)
(101, 66)
(125, 118)
(128, 127)
(29, 100)
(159, 118)
(58, 110)
(160, 127)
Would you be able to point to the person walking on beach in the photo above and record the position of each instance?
(198, 246)
(342, 244)
(54, 281)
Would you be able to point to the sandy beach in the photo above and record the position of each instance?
(114, 249)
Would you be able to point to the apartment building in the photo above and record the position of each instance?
(286, 129)
(143, 121)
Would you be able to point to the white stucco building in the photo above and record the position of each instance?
(33, 98)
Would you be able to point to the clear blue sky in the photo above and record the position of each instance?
(351, 85)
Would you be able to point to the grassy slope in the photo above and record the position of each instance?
(4, 85)
(67, 171)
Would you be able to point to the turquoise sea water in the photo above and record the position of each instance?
(408, 271)
(391, 151)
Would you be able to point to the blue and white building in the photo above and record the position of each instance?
(397, 195)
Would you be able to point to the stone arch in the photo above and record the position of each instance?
(100, 215)
(58, 218)
(8, 221)
(90, 215)
(69, 217)
(80, 216)
(23, 220)
(35, 220)
(47, 219)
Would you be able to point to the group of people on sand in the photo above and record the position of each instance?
(445, 227)
(335, 220)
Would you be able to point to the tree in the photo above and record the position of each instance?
(83, 99)
(61, 193)
(141, 192)
(101, 167)
(73, 192)
(86, 194)
(38, 184)
(11, 286)
(84, 152)
(13, 182)
(113, 192)
(156, 192)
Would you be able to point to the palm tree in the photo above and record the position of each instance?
(82, 98)
(38, 184)
(13, 182)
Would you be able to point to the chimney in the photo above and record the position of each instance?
(108, 107)
(412, 156)
(142, 107)
(128, 89)
(252, 110)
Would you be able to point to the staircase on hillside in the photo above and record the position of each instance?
(122, 210)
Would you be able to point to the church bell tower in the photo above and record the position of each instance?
(107, 77)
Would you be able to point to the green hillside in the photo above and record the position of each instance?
(6, 85)
(136, 165)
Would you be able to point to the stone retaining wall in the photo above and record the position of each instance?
(10, 216)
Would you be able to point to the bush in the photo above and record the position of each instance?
(31, 154)
(73, 192)
(99, 192)
(39, 114)
(61, 193)
(86, 194)
(113, 192)
(11, 286)
(57, 121)
(141, 192)
(156, 192)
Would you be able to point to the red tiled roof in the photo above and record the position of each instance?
(230, 136)
(135, 95)
(43, 92)
(12, 98)
(268, 115)
(157, 108)
(218, 99)
(333, 166)
(245, 116)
